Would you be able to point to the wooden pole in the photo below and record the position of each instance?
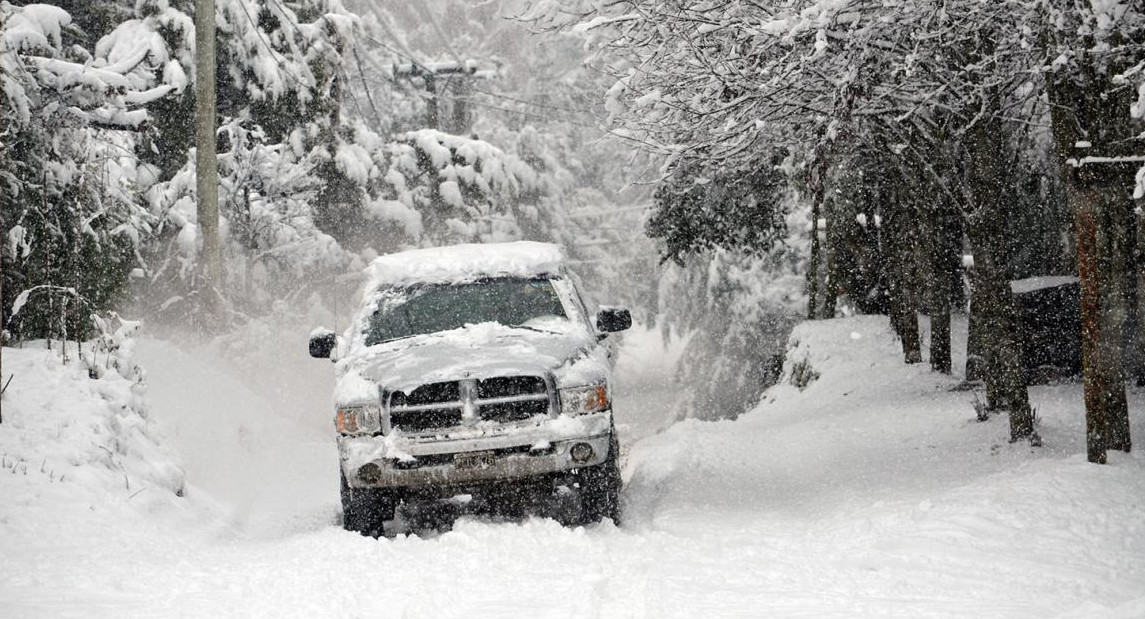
(206, 168)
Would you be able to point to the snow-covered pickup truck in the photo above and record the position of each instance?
(470, 370)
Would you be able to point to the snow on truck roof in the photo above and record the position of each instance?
(464, 263)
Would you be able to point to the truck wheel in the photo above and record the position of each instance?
(600, 488)
(366, 510)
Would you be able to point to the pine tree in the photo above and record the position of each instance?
(71, 226)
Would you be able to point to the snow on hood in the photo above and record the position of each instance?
(464, 263)
(477, 351)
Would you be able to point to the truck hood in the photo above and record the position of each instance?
(476, 351)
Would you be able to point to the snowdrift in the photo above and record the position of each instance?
(69, 439)
(253, 432)
(878, 473)
(82, 468)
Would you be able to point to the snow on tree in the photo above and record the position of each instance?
(157, 47)
(72, 226)
(279, 70)
(736, 308)
(426, 187)
(716, 82)
(272, 246)
(702, 208)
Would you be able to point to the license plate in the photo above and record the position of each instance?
(473, 460)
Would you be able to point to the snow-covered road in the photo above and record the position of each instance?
(870, 494)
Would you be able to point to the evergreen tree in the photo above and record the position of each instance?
(71, 223)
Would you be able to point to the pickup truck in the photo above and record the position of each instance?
(473, 369)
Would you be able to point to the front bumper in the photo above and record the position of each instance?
(419, 461)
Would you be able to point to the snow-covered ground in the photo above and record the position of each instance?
(871, 493)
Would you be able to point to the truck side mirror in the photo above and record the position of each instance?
(322, 343)
(613, 319)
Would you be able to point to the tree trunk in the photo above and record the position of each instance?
(993, 298)
(815, 179)
(1096, 203)
(902, 277)
(1139, 336)
(831, 286)
(1090, 126)
(206, 162)
(977, 349)
(941, 268)
(975, 346)
(3, 318)
(813, 268)
(1005, 371)
(939, 330)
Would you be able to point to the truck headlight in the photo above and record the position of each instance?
(359, 419)
(587, 399)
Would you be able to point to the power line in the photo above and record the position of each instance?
(512, 111)
(610, 132)
(478, 90)
(542, 105)
(611, 211)
(484, 92)
(504, 109)
(408, 57)
(444, 95)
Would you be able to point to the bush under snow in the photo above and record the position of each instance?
(76, 436)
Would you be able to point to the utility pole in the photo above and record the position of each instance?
(432, 113)
(465, 71)
(206, 162)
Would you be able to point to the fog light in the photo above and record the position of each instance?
(370, 473)
(581, 452)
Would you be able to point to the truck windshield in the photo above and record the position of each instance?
(441, 307)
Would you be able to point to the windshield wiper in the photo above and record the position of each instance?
(538, 330)
(400, 338)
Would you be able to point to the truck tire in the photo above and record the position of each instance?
(365, 510)
(600, 488)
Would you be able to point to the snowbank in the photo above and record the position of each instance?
(876, 472)
(262, 446)
(90, 437)
(81, 463)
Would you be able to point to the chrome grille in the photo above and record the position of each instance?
(512, 398)
(502, 399)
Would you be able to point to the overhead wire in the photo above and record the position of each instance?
(533, 103)
(472, 101)
(298, 82)
(408, 56)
